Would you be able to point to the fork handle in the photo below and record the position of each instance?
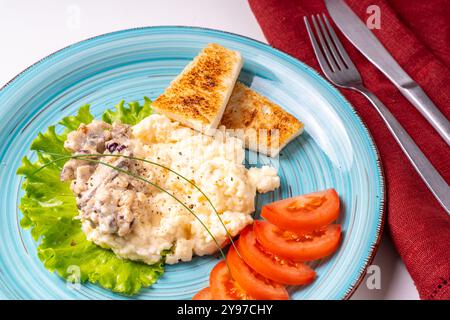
(423, 166)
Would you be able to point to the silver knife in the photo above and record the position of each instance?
(366, 42)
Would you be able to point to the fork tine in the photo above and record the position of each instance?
(317, 49)
(320, 57)
(337, 58)
(343, 53)
(324, 46)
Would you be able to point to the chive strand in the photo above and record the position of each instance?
(230, 237)
(147, 181)
(165, 191)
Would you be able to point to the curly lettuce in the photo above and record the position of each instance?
(49, 208)
(132, 114)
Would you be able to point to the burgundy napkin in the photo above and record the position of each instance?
(417, 34)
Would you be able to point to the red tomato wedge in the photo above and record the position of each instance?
(223, 287)
(269, 265)
(253, 283)
(304, 247)
(204, 294)
(303, 213)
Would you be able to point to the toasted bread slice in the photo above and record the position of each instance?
(263, 125)
(198, 96)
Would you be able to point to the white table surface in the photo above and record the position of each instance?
(30, 30)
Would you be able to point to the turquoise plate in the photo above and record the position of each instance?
(336, 150)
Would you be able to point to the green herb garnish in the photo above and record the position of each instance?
(86, 158)
(230, 237)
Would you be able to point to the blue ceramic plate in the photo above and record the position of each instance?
(336, 149)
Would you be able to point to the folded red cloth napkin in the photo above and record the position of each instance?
(417, 34)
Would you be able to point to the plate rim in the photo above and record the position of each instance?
(379, 165)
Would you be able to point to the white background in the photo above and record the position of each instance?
(30, 30)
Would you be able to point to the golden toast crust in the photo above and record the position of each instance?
(198, 96)
(252, 113)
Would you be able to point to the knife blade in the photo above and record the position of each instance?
(366, 42)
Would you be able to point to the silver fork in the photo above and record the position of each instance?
(340, 70)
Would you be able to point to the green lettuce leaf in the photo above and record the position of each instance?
(73, 122)
(49, 208)
(132, 114)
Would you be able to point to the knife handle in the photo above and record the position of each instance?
(423, 166)
(414, 93)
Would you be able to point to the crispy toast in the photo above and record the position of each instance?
(263, 125)
(198, 96)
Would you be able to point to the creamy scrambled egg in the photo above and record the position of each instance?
(150, 221)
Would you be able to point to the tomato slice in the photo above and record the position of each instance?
(298, 247)
(267, 264)
(303, 213)
(253, 283)
(204, 294)
(223, 287)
